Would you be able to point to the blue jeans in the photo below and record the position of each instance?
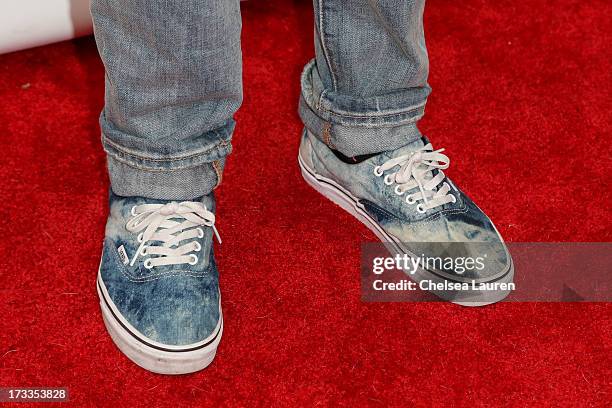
(173, 84)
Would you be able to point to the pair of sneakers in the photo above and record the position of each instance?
(158, 282)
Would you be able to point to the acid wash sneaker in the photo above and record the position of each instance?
(158, 283)
(404, 197)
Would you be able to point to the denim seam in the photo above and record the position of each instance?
(320, 101)
(218, 171)
(402, 112)
(327, 136)
(324, 46)
(128, 152)
(152, 169)
(400, 115)
(333, 120)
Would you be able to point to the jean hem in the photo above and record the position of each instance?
(188, 176)
(163, 184)
(359, 126)
(390, 109)
(357, 140)
(166, 162)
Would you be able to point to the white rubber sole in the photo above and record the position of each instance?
(343, 198)
(153, 356)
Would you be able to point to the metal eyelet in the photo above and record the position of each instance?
(133, 211)
(454, 199)
(410, 200)
(200, 233)
(148, 263)
(143, 251)
(389, 179)
(420, 209)
(139, 237)
(398, 191)
(194, 259)
(377, 171)
(198, 247)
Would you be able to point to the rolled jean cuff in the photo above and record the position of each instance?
(185, 177)
(357, 126)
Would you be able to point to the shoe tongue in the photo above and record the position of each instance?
(208, 201)
(410, 147)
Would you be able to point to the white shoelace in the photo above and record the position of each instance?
(415, 171)
(170, 224)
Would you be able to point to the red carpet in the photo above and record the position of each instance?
(521, 101)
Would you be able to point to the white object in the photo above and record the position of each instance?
(30, 23)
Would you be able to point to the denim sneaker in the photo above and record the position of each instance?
(158, 283)
(404, 197)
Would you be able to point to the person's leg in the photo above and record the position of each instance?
(367, 86)
(361, 98)
(173, 83)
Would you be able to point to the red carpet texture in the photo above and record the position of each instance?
(521, 101)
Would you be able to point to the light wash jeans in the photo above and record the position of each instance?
(173, 84)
